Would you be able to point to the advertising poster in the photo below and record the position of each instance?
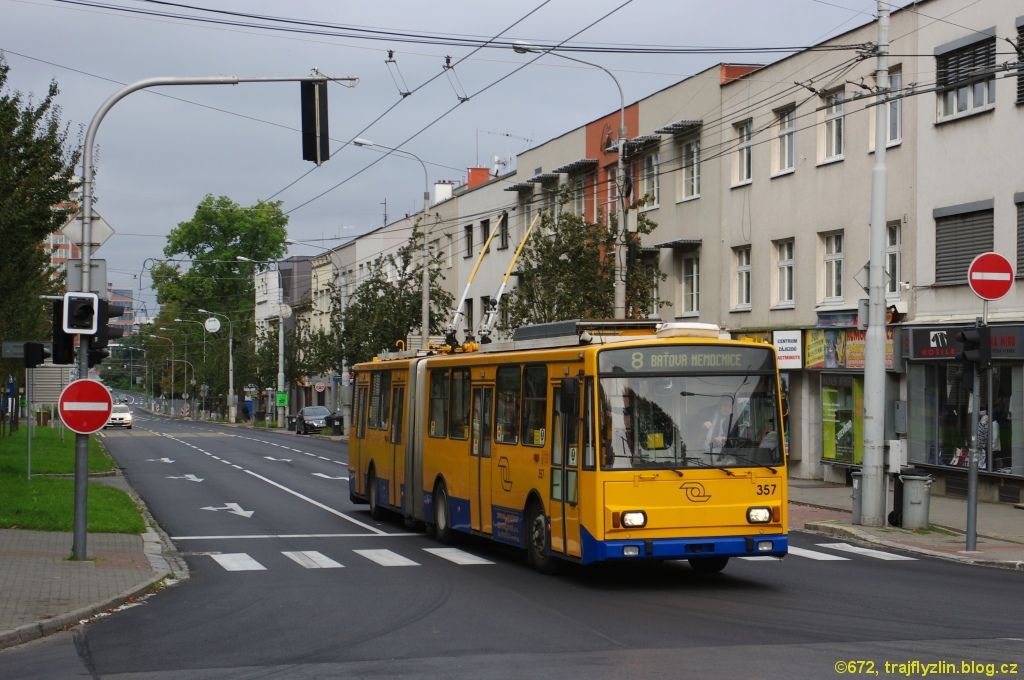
(842, 418)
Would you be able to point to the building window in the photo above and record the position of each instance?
(959, 239)
(691, 168)
(744, 135)
(1020, 236)
(784, 251)
(691, 284)
(650, 185)
(579, 195)
(892, 259)
(965, 82)
(503, 234)
(467, 241)
(468, 318)
(742, 277)
(834, 266)
(834, 123)
(786, 140)
(485, 233)
(894, 110)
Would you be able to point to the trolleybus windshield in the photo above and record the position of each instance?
(688, 406)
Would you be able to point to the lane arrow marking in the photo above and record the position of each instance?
(320, 474)
(160, 460)
(233, 508)
(191, 478)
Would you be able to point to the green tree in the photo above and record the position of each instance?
(37, 177)
(381, 312)
(567, 272)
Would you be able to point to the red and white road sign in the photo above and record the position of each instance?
(990, 276)
(85, 406)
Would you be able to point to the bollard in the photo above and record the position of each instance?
(856, 496)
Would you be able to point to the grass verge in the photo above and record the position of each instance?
(46, 502)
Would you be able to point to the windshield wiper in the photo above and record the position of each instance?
(739, 456)
(701, 463)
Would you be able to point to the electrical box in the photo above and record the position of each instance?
(899, 417)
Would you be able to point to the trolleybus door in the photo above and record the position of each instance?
(565, 466)
(397, 449)
(480, 460)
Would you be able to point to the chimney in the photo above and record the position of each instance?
(442, 190)
(478, 176)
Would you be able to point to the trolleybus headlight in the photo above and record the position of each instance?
(630, 550)
(765, 546)
(759, 515)
(634, 519)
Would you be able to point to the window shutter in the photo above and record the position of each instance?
(1020, 233)
(958, 240)
(966, 64)
(1020, 79)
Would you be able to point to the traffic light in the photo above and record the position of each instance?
(63, 343)
(35, 354)
(316, 143)
(975, 346)
(104, 332)
(80, 313)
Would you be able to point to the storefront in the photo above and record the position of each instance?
(940, 409)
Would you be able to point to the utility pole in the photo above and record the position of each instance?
(873, 482)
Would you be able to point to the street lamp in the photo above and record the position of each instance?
(170, 340)
(232, 409)
(521, 47)
(425, 276)
(283, 311)
(200, 323)
(188, 365)
(204, 333)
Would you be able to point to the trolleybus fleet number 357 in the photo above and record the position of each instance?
(617, 446)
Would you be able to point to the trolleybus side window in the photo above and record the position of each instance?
(460, 404)
(588, 424)
(535, 405)
(396, 419)
(506, 416)
(380, 400)
(361, 412)
(439, 402)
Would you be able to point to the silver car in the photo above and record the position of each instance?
(120, 416)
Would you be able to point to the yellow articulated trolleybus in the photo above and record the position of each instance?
(581, 441)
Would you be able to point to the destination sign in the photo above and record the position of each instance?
(686, 359)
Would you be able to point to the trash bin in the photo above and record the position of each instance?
(291, 422)
(335, 423)
(856, 476)
(916, 490)
(261, 415)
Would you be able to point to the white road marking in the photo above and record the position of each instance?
(877, 554)
(311, 559)
(761, 558)
(318, 504)
(814, 554)
(386, 558)
(238, 562)
(320, 474)
(247, 536)
(457, 556)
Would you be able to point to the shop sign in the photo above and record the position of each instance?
(842, 348)
(941, 343)
(790, 349)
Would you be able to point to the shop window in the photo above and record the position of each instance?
(842, 420)
(940, 412)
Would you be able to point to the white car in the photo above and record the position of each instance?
(120, 416)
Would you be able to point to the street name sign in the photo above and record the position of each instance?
(85, 406)
(990, 276)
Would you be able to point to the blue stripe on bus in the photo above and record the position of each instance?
(681, 548)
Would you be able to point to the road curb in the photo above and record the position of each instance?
(828, 528)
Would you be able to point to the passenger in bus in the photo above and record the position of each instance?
(720, 427)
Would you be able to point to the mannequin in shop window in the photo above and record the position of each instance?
(984, 423)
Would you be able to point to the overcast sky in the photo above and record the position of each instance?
(157, 156)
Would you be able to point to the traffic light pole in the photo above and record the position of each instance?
(972, 463)
(82, 440)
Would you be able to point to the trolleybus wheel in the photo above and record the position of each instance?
(371, 496)
(708, 565)
(442, 520)
(537, 541)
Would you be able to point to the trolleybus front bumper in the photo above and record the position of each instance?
(761, 545)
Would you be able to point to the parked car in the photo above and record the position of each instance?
(311, 419)
(120, 416)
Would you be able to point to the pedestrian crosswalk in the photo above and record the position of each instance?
(313, 559)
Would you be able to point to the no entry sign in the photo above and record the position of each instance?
(85, 406)
(990, 276)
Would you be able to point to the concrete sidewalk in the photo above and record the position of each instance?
(42, 591)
